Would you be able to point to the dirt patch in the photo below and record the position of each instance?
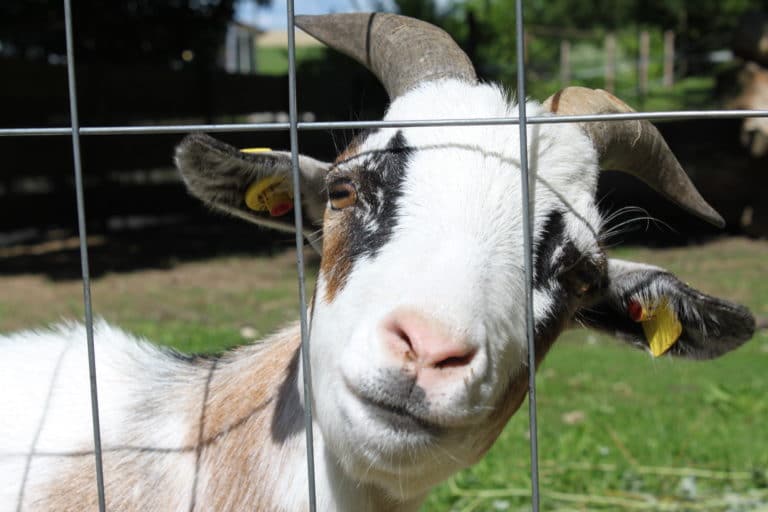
(237, 290)
(195, 292)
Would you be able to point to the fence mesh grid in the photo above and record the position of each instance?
(293, 126)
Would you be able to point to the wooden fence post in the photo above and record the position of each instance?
(610, 62)
(565, 62)
(669, 58)
(642, 67)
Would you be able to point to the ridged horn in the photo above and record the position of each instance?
(635, 147)
(402, 52)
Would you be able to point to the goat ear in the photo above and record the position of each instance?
(255, 186)
(653, 310)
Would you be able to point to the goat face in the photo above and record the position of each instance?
(418, 321)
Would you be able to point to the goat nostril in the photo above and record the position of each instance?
(456, 361)
(401, 341)
(400, 333)
(424, 342)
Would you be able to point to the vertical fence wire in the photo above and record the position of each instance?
(293, 126)
(298, 221)
(80, 194)
(528, 254)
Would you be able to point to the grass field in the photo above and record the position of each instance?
(617, 430)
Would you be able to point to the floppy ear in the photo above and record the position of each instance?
(255, 185)
(652, 309)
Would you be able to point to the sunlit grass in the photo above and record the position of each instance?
(617, 429)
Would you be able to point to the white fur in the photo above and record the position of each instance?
(456, 255)
(45, 383)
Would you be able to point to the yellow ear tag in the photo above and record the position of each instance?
(661, 327)
(272, 194)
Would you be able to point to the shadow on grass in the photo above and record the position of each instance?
(56, 254)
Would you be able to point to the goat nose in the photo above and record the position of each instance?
(413, 338)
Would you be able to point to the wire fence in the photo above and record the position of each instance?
(293, 126)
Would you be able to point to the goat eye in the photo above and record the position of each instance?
(342, 193)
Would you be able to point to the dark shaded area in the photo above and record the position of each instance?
(732, 181)
(154, 225)
(56, 253)
(131, 70)
(127, 46)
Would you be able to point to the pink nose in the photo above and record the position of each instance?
(416, 340)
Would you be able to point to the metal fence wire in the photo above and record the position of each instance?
(293, 127)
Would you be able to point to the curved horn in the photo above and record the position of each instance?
(635, 147)
(402, 52)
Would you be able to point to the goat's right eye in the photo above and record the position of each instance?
(342, 193)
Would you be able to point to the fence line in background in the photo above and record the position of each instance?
(293, 127)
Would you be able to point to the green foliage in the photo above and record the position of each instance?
(140, 32)
(274, 60)
(485, 29)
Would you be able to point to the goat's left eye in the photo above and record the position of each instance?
(342, 193)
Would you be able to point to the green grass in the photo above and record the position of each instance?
(609, 418)
(621, 431)
(203, 307)
(617, 429)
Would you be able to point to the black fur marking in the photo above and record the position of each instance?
(711, 326)
(379, 187)
(552, 237)
(565, 274)
(398, 400)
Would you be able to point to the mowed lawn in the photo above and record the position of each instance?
(618, 430)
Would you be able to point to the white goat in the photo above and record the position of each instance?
(417, 325)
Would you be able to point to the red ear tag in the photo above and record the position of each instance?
(281, 208)
(635, 310)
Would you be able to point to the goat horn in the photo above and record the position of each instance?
(635, 147)
(402, 52)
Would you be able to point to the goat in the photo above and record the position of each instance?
(418, 337)
(751, 93)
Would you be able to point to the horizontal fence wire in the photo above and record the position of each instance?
(663, 115)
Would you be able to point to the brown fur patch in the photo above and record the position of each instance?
(247, 418)
(336, 263)
(243, 412)
(131, 482)
(350, 152)
(555, 105)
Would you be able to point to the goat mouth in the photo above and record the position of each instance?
(395, 414)
(399, 417)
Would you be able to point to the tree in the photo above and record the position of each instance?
(150, 32)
